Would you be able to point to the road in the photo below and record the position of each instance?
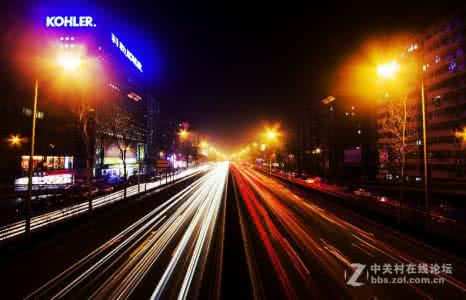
(175, 237)
(229, 233)
(298, 246)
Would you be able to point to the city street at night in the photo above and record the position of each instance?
(158, 150)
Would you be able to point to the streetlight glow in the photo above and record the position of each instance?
(461, 134)
(183, 134)
(271, 134)
(15, 140)
(388, 70)
(69, 61)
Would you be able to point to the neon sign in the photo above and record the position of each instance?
(126, 52)
(69, 21)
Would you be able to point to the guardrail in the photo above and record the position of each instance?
(37, 222)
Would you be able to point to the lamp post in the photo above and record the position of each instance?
(183, 137)
(424, 148)
(388, 71)
(68, 62)
(271, 135)
(31, 158)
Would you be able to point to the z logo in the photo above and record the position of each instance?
(358, 269)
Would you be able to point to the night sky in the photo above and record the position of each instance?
(227, 69)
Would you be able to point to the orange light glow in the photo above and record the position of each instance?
(461, 134)
(15, 140)
(184, 134)
(69, 61)
(388, 70)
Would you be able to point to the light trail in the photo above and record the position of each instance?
(186, 222)
(306, 242)
(37, 222)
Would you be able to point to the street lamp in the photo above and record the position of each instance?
(388, 71)
(183, 137)
(183, 134)
(15, 140)
(271, 135)
(461, 134)
(69, 61)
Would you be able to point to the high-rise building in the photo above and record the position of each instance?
(444, 46)
(438, 57)
(113, 67)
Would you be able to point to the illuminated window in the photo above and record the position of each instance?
(437, 59)
(412, 47)
(28, 112)
(135, 97)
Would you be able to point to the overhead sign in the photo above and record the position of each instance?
(126, 52)
(69, 21)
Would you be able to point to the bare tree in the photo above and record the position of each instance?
(86, 120)
(399, 115)
(120, 127)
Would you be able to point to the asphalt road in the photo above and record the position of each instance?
(30, 265)
(300, 245)
(234, 234)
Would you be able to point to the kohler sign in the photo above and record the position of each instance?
(69, 21)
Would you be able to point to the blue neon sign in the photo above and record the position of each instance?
(126, 52)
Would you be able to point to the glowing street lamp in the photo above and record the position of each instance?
(271, 134)
(184, 134)
(15, 140)
(69, 61)
(461, 134)
(388, 70)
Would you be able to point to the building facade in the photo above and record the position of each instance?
(336, 139)
(112, 76)
(436, 59)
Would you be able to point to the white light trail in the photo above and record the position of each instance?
(37, 222)
(116, 269)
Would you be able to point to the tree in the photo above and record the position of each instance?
(120, 127)
(86, 120)
(399, 115)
